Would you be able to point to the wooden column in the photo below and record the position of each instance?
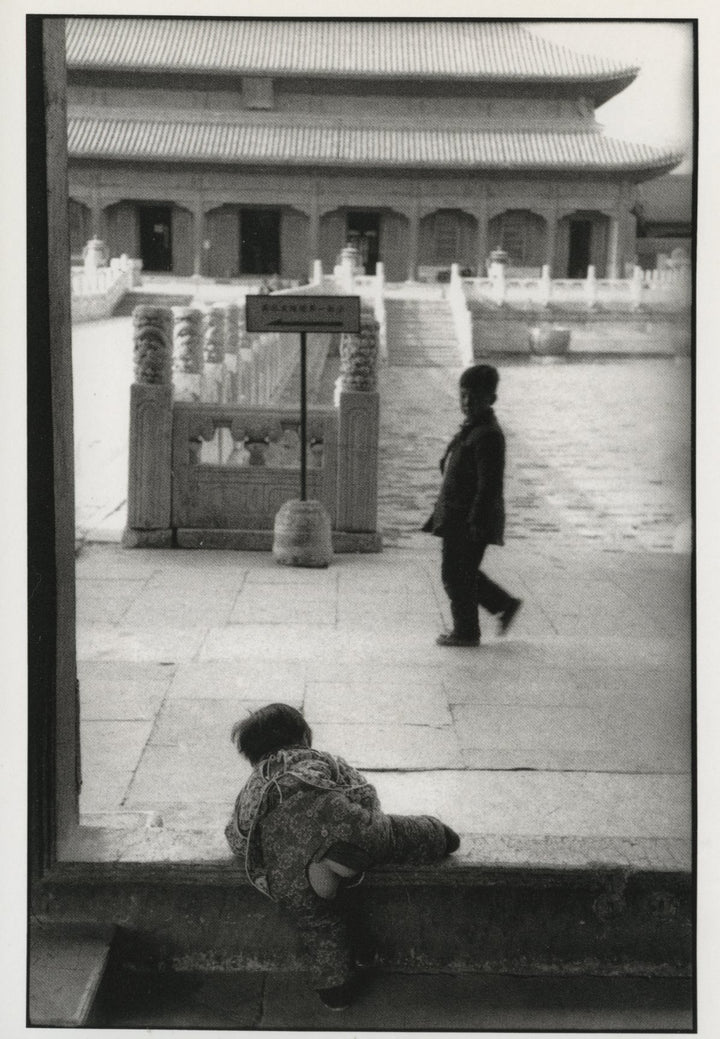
(53, 712)
(551, 221)
(413, 241)
(198, 238)
(314, 229)
(482, 250)
(613, 247)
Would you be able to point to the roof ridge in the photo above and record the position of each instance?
(479, 49)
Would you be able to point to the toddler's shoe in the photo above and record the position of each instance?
(337, 998)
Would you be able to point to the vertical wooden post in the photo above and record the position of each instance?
(53, 713)
(303, 416)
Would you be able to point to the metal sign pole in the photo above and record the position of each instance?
(303, 416)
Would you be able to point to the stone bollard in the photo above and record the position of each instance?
(591, 288)
(302, 534)
(187, 353)
(149, 511)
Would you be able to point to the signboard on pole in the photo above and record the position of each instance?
(302, 313)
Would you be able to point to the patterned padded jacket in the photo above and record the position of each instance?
(300, 801)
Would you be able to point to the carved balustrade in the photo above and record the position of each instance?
(212, 454)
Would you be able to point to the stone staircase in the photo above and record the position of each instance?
(421, 332)
(130, 300)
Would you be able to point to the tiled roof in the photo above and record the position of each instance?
(270, 143)
(447, 49)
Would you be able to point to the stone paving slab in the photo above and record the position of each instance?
(405, 746)
(108, 642)
(537, 733)
(388, 702)
(266, 680)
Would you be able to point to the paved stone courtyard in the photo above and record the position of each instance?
(599, 452)
(574, 729)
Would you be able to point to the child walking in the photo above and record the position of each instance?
(469, 513)
(305, 827)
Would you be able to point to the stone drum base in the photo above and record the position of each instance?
(302, 534)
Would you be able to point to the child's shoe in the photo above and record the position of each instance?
(337, 998)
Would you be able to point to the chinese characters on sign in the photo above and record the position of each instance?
(302, 313)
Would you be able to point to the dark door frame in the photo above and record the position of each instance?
(151, 247)
(256, 251)
(580, 240)
(363, 225)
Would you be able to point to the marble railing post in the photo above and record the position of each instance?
(149, 510)
(232, 343)
(591, 287)
(213, 352)
(358, 431)
(636, 287)
(244, 355)
(545, 286)
(187, 353)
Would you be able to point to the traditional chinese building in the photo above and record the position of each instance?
(664, 213)
(237, 147)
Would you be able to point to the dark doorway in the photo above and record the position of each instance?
(156, 238)
(579, 252)
(260, 241)
(363, 230)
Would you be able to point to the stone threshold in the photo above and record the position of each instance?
(141, 837)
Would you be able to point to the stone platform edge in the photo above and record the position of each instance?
(603, 917)
(127, 838)
(343, 541)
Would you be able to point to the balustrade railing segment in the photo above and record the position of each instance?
(462, 318)
(643, 287)
(213, 454)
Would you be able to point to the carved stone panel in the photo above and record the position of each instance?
(149, 471)
(358, 461)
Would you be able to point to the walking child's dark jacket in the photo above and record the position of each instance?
(471, 495)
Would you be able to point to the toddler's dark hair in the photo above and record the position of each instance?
(270, 729)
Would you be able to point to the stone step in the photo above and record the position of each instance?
(532, 906)
(66, 965)
(420, 333)
(131, 300)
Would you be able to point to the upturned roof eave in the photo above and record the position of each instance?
(649, 169)
(613, 82)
